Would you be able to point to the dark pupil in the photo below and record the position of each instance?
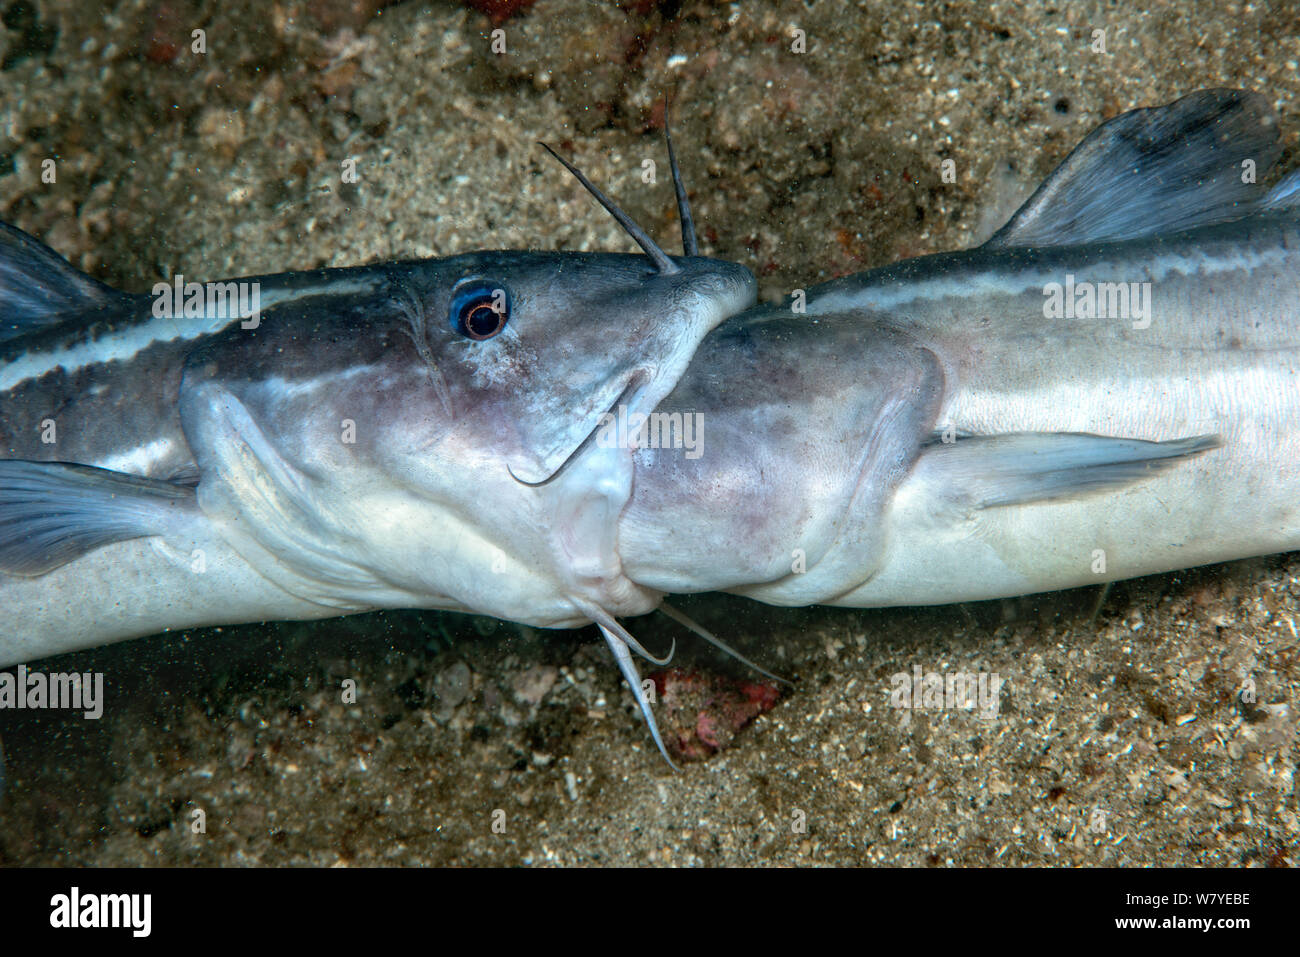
(482, 320)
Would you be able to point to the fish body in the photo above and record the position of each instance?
(413, 434)
(945, 429)
(824, 476)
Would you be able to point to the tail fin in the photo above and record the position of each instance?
(38, 287)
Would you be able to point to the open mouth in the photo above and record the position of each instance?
(629, 395)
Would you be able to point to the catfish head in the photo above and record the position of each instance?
(427, 435)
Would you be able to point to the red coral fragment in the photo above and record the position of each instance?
(166, 28)
(700, 712)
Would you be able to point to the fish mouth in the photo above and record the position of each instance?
(632, 389)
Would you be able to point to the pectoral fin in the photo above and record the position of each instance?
(54, 512)
(1015, 469)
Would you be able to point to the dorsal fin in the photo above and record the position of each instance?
(1286, 194)
(1152, 171)
(39, 287)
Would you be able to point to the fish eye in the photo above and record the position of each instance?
(479, 309)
